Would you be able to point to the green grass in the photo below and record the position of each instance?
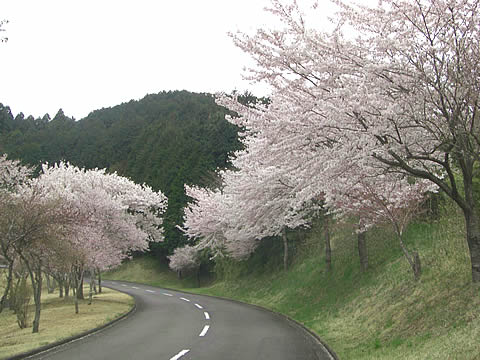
(59, 321)
(380, 314)
(148, 271)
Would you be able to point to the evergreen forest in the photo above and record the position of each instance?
(165, 140)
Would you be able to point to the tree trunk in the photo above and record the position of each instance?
(12, 296)
(472, 220)
(37, 297)
(76, 303)
(328, 249)
(35, 273)
(90, 293)
(7, 287)
(93, 283)
(78, 275)
(417, 269)
(99, 282)
(413, 260)
(362, 250)
(50, 287)
(60, 289)
(472, 225)
(80, 295)
(67, 287)
(75, 292)
(285, 249)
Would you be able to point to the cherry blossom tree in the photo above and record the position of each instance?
(71, 219)
(184, 258)
(401, 94)
(255, 201)
(12, 174)
(32, 227)
(283, 174)
(114, 216)
(385, 198)
(204, 218)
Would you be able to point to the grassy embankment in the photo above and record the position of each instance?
(380, 314)
(58, 320)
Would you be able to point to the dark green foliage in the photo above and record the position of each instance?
(165, 140)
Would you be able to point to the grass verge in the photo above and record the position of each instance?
(380, 314)
(58, 320)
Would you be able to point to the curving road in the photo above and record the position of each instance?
(172, 325)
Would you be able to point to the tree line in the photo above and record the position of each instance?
(165, 140)
(67, 221)
(365, 126)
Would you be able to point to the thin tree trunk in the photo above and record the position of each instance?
(413, 260)
(7, 287)
(362, 250)
(285, 249)
(99, 282)
(472, 225)
(78, 274)
(417, 270)
(67, 287)
(12, 300)
(472, 220)
(37, 298)
(36, 279)
(60, 289)
(90, 293)
(75, 292)
(50, 287)
(328, 249)
(76, 303)
(80, 295)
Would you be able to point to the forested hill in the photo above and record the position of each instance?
(166, 140)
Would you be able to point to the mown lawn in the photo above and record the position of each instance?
(59, 321)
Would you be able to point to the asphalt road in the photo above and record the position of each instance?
(175, 326)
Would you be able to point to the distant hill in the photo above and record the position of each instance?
(165, 140)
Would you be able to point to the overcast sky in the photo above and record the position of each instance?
(88, 54)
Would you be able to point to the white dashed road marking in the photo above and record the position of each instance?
(179, 355)
(204, 331)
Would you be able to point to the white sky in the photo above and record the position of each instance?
(88, 54)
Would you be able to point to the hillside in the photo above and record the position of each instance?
(380, 314)
(165, 140)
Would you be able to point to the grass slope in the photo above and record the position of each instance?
(58, 320)
(380, 314)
